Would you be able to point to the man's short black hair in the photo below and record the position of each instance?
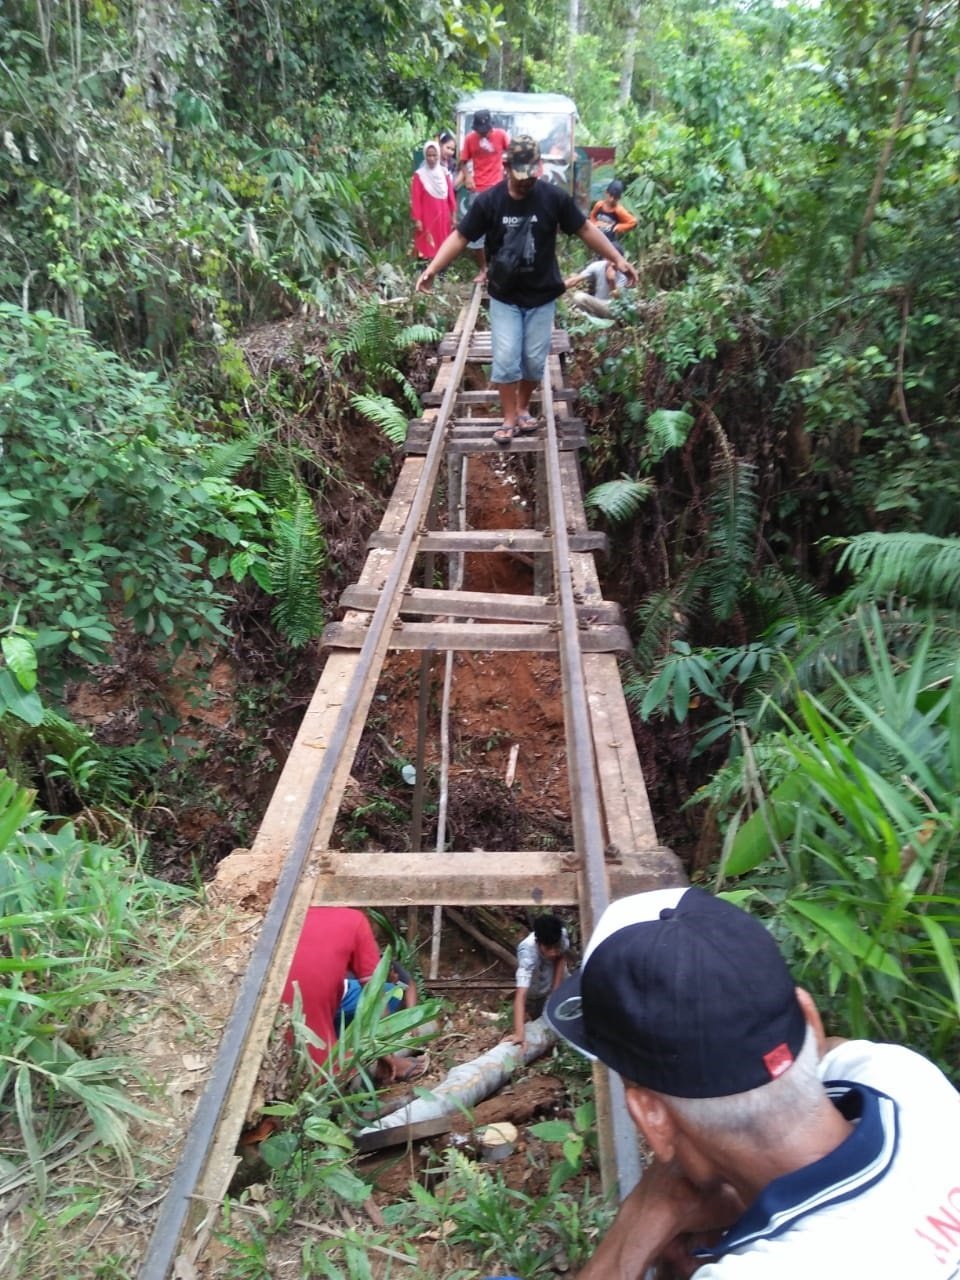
(548, 930)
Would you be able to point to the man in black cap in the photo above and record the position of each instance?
(802, 1157)
(520, 217)
(481, 162)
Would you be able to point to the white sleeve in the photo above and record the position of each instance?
(891, 1068)
(527, 958)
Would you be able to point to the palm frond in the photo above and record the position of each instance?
(783, 598)
(916, 565)
(619, 499)
(382, 411)
(839, 648)
(663, 617)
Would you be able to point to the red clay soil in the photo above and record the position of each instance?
(498, 699)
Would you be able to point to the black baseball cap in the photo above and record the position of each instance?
(615, 189)
(482, 120)
(684, 993)
(523, 157)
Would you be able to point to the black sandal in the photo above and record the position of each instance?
(504, 435)
(528, 425)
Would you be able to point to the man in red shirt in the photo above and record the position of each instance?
(483, 150)
(335, 942)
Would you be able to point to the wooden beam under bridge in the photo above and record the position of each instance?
(478, 878)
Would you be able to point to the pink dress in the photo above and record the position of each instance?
(436, 216)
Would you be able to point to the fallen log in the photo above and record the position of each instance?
(463, 1086)
(460, 920)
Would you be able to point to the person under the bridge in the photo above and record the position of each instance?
(520, 217)
(613, 218)
(777, 1151)
(541, 967)
(335, 943)
(606, 281)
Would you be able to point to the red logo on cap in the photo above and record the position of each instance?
(777, 1060)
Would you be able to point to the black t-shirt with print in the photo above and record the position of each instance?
(547, 208)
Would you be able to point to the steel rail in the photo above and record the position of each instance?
(619, 1142)
(165, 1242)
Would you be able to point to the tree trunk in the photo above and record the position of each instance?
(573, 30)
(629, 57)
(152, 33)
(470, 1082)
(860, 243)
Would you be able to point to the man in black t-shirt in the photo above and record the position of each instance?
(520, 217)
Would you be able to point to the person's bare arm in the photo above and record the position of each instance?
(571, 282)
(465, 168)
(594, 239)
(663, 1206)
(451, 248)
(519, 1035)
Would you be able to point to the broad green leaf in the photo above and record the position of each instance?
(944, 948)
(21, 658)
(762, 833)
(18, 702)
(551, 1130)
(846, 930)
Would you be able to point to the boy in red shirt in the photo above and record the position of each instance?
(334, 943)
(483, 148)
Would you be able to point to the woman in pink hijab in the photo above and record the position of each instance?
(432, 203)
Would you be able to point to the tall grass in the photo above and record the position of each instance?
(75, 922)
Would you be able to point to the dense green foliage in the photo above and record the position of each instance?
(773, 426)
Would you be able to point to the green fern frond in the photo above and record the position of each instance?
(278, 484)
(731, 539)
(227, 459)
(371, 338)
(619, 499)
(415, 334)
(409, 393)
(916, 565)
(782, 599)
(297, 555)
(667, 429)
(382, 411)
(386, 370)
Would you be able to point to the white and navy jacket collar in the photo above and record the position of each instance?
(861, 1160)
